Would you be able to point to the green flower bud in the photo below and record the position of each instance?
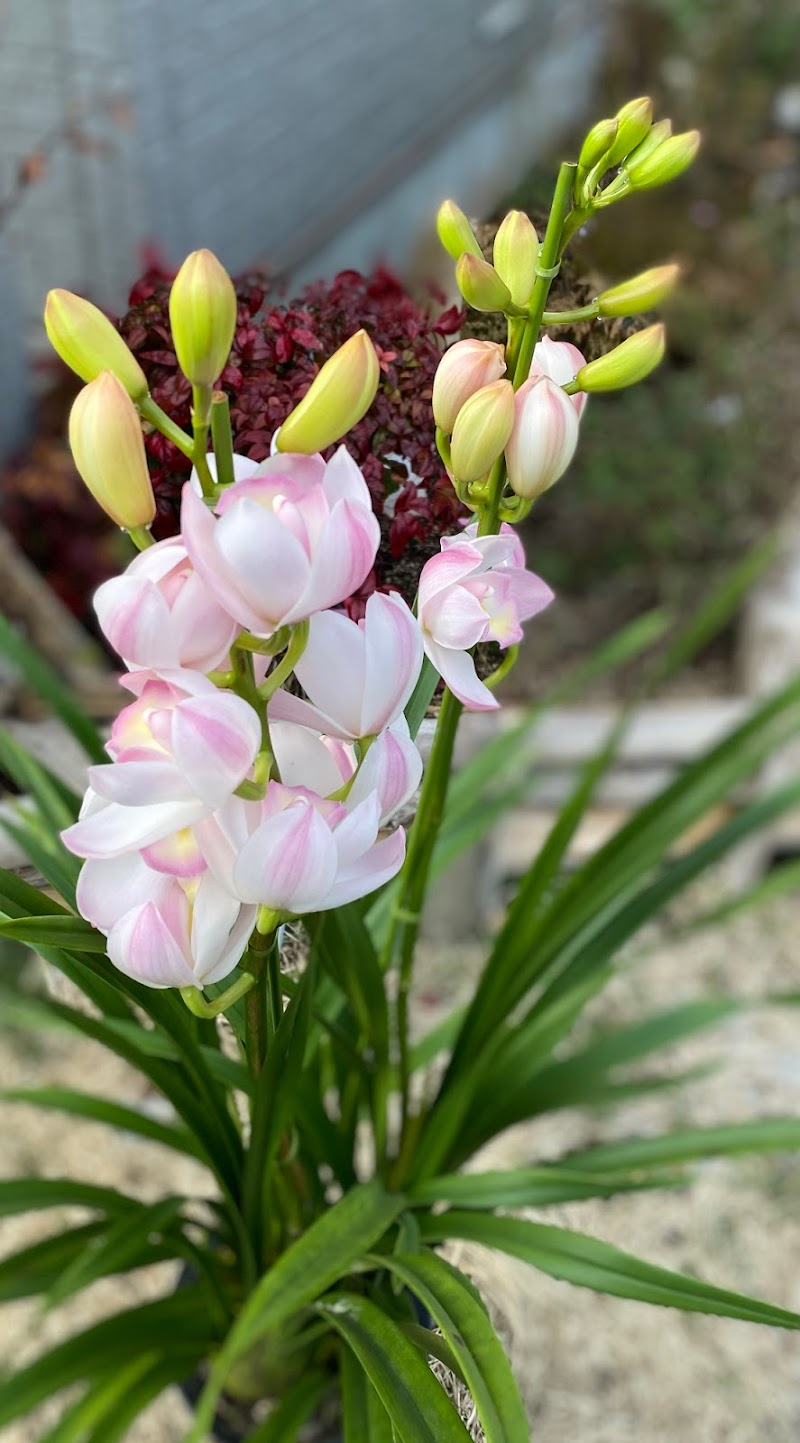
(89, 343)
(668, 160)
(481, 286)
(515, 254)
(455, 231)
(658, 133)
(626, 364)
(641, 293)
(202, 314)
(635, 120)
(339, 395)
(481, 431)
(598, 142)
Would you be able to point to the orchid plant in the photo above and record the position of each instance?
(248, 793)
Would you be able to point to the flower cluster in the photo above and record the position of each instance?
(227, 798)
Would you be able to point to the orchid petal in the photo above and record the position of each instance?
(378, 865)
(215, 741)
(289, 863)
(142, 946)
(457, 670)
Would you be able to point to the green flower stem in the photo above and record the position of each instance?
(196, 1002)
(507, 664)
(255, 1002)
(549, 257)
(489, 521)
(567, 318)
(222, 438)
(287, 664)
(406, 920)
(141, 538)
(201, 420)
(152, 413)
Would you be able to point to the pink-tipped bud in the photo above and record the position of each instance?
(626, 364)
(515, 254)
(641, 293)
(463, 370)
(340, 394)
(482, 428)
(481, 286)
(455, 232)
(634, 122)
(669, 160)
(108, 449)
(202, 316)
(543, 439)
(88, 343)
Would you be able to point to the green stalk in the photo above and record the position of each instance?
(222, 438)
(549, 257)
(201, 420)
(141, 538)
(152, 413)
(567, 318)
(255, 1003)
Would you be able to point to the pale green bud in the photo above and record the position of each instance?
(626, 364)
(107, 445)
(481, 286)
(88, 342)
(641, 293)
(481, 431)
(515, 255)
(339, 395)
(635, 120)
(455, 231)
(598, 142)
(202, 315)
(665, 163)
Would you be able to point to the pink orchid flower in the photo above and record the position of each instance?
(180, 750)
(162, 930)
(358, 675)
(561, 361)
(309, 855)
(160, 615)
(392, 767)
(296, 537)
(477, 589)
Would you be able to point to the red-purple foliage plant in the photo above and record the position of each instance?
(276, 353)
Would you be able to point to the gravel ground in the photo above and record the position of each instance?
(593, 1369)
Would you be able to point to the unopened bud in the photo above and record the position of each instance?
(202, 315)
(657, 134)
(543, 439)
(89, 343)
(481, 286)
(515, 254)
(339, 395)
(482, 428)
(635, 120)
(669, 160)
(455, 231)
(598, 142)
(464, 369)
(108, 449)
(626, 364)
(641, 293)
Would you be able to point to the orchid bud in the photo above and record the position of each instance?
(455, 231)
(482, 428)
(480, 285)
(626, 364)
(108, 449)
(635, 120)
(669, 160)
(543, 439)
(598, 142)
(464, 369)
(339, 395)
(515, 254)
(657, 134)
(202, 314)
(641, 293)
(89, 343)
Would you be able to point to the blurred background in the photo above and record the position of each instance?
(308, 143)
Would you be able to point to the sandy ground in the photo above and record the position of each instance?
(593, 1369)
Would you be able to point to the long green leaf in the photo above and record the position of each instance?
(87, 1413)
(55, 931)
(416, 1404)
(45, 853)
(530, 1186)
(131, 1242)
(30, 1194)
(35, 779)
(364, 1418)
(45, 681)
(165, 1325)
(769, 1134)
(35, 1268)
(19, 899)
(114, 1114)
(589, 1263)
(464, 1323)
(421, 697)
(311, 1265)
(295, 1408)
